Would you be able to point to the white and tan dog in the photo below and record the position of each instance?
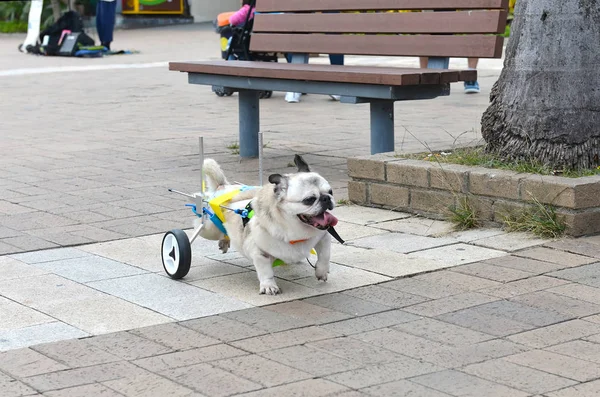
(290, 219)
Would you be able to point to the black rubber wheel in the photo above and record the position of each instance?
(219, 93)
(176, 254)
(268, 94)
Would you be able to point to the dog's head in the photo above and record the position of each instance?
(306, 195)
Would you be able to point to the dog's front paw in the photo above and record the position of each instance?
(321, 274)
(224, 245)
(269, 288)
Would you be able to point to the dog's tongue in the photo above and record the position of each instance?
(325, 219)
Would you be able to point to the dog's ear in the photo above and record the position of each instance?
(279, 181)
(301, 164)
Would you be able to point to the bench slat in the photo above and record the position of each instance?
(411, 22)
(328, 73)
(475, 46)
(356, 5)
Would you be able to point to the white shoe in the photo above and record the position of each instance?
(292, 97)
(335, 97)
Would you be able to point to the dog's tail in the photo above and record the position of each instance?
(214, 175)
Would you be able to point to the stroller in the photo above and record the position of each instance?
(235, 46)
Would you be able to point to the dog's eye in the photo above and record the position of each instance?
(309, 200)
(331, 192)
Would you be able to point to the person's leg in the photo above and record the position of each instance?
(472, 87)
(336, 59)
(105, 21)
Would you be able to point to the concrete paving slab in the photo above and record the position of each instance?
(174, 299)
(366, 216)
(418, 226)
(401, 242)
(17, 338)
(11, 269)
(457, 254)
(89, 268)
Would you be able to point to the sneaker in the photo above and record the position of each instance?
(471, 87)
(292, 97)
(335, 97)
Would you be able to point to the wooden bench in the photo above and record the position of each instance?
(457, 28)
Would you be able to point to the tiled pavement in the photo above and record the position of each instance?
(487, 313)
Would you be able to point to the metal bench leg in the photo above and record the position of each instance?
(249, 119)
(382, 126)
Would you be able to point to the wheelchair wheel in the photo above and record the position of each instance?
(176, 254)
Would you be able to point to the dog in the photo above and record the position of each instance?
(290, 218)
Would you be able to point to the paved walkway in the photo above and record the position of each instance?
(410, 309)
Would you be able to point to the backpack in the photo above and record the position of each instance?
(70, 21)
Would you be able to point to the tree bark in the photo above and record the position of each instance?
(546, 104)
(55, 9)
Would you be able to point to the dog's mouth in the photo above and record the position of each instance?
(322, 221)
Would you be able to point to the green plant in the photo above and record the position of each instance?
(13, 27)
(18, 11)
(477, 156)
(540, 219)
(463, 215)
(344, 202)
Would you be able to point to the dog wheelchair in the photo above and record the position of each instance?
(176, 250)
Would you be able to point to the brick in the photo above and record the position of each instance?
(495, 183)
(347, 304)
(10, 387)
(127, 346)
(518, 377)
(459, 356)
(391, 196)
(460, 384)
(304, 310)
(366, 168)
(82, 376)
(590, 389)
(586, 274)
(403, 367)
(357, 192)
(371, 322)
(305, 388)
(557, 364)
(95, 389)
(523, 313)
(400, 342)
(315, 362)
(268, 320)
(554, 190)
(175, 336)
(578, 291)
(355, 350)
(287, 338)
(586, 246)
(443, 332)
(559, 303)
(223, 329)
(431, 201)
(453, 177)
(385, 296)
(519, 287)
(210, 381)
(450, 304)
(22, 363)
(491, 272)
(403, 388)
(504, 208)
(409, 173)
(528, 265)
(76, 353)
(484, 322)
(483, 207)
(581, 224)
(188, 357)
(265, 372)
(555, 334)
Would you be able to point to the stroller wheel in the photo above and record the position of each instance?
(219, 93)
(268, 94)
(265, 94)
(228, 92)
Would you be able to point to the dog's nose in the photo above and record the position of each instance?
(326, 202)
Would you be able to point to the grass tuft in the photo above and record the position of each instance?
(540, 220)
(463, 215)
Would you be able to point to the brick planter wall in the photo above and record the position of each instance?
(430, 188)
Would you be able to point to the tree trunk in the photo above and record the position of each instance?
(546, 103)
(55, 9)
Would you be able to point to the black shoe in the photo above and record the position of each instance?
(107, 45)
